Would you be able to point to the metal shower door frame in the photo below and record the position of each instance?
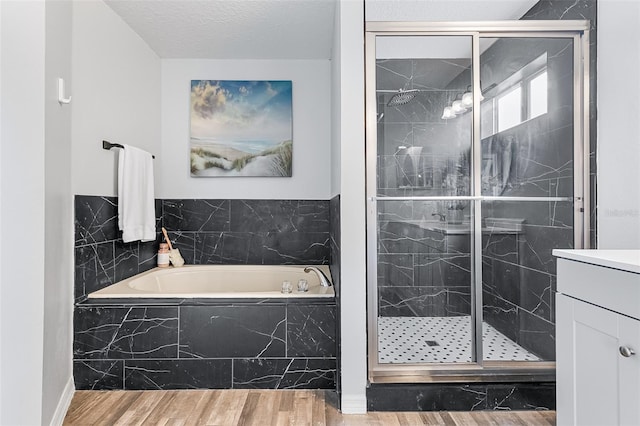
(478, 370)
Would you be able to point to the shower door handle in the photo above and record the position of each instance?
(626, 351)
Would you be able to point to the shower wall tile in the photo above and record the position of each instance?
(536, 335)
(502, 315)
(458, 301)
(283, 373)
(177, 374)
(395, 270)
(232, 332)
(412, 301)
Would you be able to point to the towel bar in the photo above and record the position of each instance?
(108, 145)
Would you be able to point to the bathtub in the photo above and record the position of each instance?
(218, 281)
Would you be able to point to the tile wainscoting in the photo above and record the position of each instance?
(178, 343)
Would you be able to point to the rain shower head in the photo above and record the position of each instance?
(402, 97)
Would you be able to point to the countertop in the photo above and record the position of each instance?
(624, 260)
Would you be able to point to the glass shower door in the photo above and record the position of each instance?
(422, 191)
(476, 171)
(527, 177)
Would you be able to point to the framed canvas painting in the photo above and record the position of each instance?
(241, 128)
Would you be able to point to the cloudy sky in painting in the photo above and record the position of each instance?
(241, 110)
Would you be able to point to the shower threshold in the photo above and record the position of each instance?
(441, 340)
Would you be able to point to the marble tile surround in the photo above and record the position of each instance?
(267, 232)
(261, 344)
(185, 344)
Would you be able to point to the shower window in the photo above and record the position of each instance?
(467, 196)
(509, 108)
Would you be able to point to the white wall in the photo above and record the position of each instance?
(618, 151)
(116, 95)
(311, 129)
(57, 377)
(349, 76)
(336, 122)
(22, 231)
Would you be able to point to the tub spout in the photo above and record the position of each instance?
(324, 281)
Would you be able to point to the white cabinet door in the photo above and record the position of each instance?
(596, 384)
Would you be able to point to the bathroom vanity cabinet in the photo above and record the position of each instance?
(598, 337)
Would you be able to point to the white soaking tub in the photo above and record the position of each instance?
(218, 281)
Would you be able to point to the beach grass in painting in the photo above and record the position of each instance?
(241, 128)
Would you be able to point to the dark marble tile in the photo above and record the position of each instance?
(458, 301)
(295, 248)
(177, 374)
(504, 281)
(186, 243)
(399, 237)
(196, 215)
(395, 211)
(535, 252)
(284, 373)
(311, 331)
(279, 216)
(98, 375)
(126, 259)
(563, 9)
(94, 268)
(535, 292)
(276, 248)
(537, 335)
(96, 219)
(412, 301)
(395, 270)
(443, 270)
(118, 333)
(208, 248)
(502, 315)
(427, 397)
(148, 255)
(500, 246)
(521, 396)
(231, 332)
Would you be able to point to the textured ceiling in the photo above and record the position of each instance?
(232, 29)
(279, 29)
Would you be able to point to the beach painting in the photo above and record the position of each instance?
(241, 128)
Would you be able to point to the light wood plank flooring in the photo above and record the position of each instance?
(260, 407)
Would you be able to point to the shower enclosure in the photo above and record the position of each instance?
(477, 149)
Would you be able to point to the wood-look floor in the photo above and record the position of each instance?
(260, 407)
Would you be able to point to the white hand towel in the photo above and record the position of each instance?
(136, 205)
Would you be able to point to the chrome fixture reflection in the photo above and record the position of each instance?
(461, 104)
(402, 97)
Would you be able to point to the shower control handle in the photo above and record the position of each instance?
(626, 351)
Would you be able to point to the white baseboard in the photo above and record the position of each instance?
(353, 404)
(63, 403)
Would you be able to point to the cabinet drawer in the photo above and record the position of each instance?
(612, 289)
